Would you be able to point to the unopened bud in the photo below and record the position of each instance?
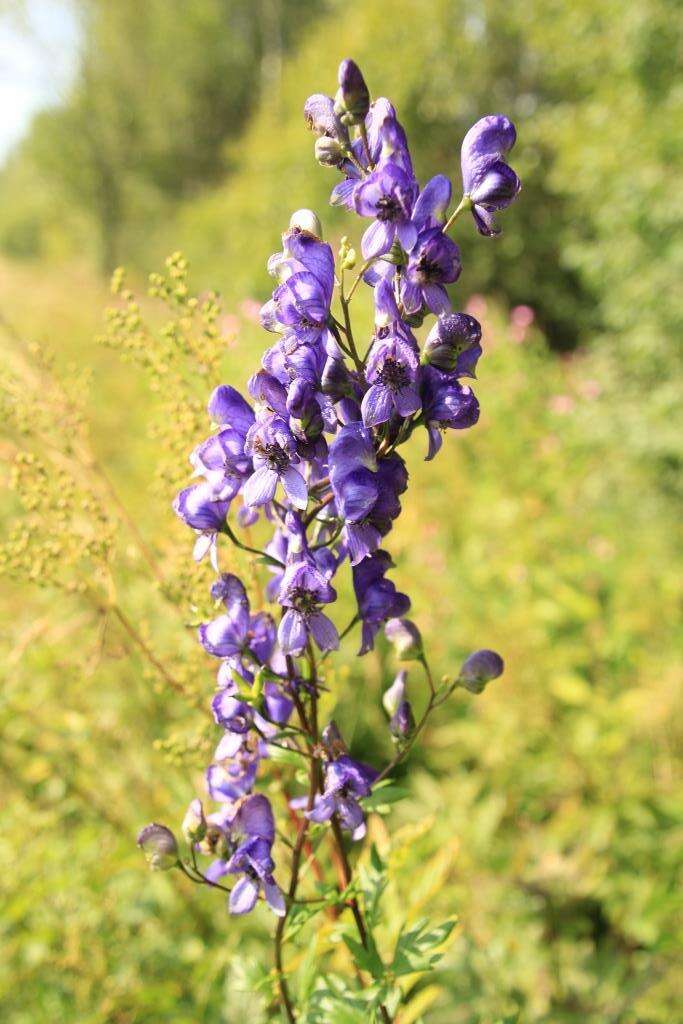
(194, 822)
(328, 152)
(402, 724)
(479, 669)
(332, 740)
(159, 847)
(396, 693)
(306, 220)
(405, 638)
(352, 101)
(258, 684)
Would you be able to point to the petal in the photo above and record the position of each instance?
(343, 193)
(436, 298)
(291, 632)
(407, 401)
(407, 234)
(243, 896)
(295, 487)
(260, 487)
(435, 441)
(255, 816)
(227, 406)
(432, 202)
(274, 898)
(323, 809)
(487, 140)
(376, 406)
(377, 239)
(216, 869)
(324, 632)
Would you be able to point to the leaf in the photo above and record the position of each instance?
(381, 797)
(416, 950)
(368, 959)
(373, 877)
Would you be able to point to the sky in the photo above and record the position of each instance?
(38, 50)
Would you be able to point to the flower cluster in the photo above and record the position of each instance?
(313, 453)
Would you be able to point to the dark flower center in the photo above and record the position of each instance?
(387, 208)
(428, 270)
(276, 457)
(304, 601)
(393, 375)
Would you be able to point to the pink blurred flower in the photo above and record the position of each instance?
(250, 309)
(521, 319)
(589, 389)
(476, 306)
(228, 325)
(561, 404)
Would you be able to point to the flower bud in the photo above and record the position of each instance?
(405, 638)
(479, 669)
(332, 740)
(396, 693)
(328, 152)
(321, 118)
(194, 822)
(402, 724)
(306, 220)
(159, 847)
(452, 334)
(352, 101)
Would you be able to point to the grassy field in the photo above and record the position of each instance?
(544, 814)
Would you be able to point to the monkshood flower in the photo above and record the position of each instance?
(446, 405)
(488, 181)
(273, 449)
(250, 836)
(301, 303)
(434, 262)
(303, 590)
(236, 761)
(388, 195)
(453, 345)
(377, 597)
(346, 782)
(159, 847)
(479, 669)
(194, 822)
(398, 707)
(392, 374)
(199, 508)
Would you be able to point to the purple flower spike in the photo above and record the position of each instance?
(488, 181)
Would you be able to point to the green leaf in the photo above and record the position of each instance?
(368, 959)
(416, 950)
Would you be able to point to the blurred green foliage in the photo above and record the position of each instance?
(546, 813)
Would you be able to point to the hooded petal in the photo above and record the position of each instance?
(226, 406)
(488, 140)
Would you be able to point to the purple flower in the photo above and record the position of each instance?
(346, 782)
(199, 508)
(388, 195)
(227, 635)
(273, 448)
(446, 404)
(434, 262)
(453, 344)
(392, 375)
(386, 142)
(236, 758)
(250, 838)
(488, 181)
(377, 597)
(405, 638)
(301, 303)
(303, 589)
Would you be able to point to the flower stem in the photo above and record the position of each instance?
(465, 204)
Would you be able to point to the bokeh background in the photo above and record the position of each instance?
(545, 813)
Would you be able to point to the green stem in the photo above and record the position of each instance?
(465, 204)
